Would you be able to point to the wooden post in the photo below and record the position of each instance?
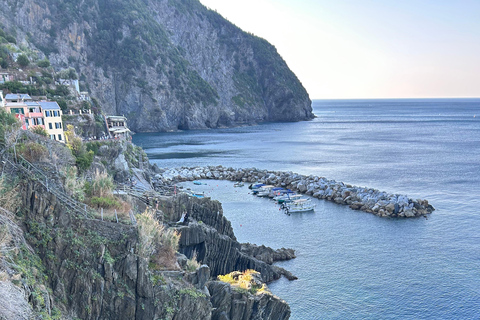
(116, 217)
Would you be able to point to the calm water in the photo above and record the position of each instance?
(353, 265)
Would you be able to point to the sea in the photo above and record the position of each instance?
(351, 264)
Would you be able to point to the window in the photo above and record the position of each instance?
(60, 137)
(50, 126)
(47, 113)
(56, 125)
(52, 136)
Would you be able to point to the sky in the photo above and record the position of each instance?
(348, 49)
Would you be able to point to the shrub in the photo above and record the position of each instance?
(192, 264)
(149, 231)
(105, 202)
(156, 243)
(39, 130)
(22, 60)
(74, 185)
(246, 281)
(43, 63)
(102, 185)
(84, 160)
(32, 151)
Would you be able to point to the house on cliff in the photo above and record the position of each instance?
(46, 114)
(52, 115)
(117, 126)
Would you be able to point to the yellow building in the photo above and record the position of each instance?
(52, 115)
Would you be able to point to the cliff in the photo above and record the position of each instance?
(60, 259)
(165, 65)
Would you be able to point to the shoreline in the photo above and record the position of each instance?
(380, 203)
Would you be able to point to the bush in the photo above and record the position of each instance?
(32, 151)
(102, 185)
(84, 160)
(247, 281)
(192, 264)
(156, 243)
(11, 39)
(149, 231)
(39, 130)
(22, 60)
(74, 185)
(43, 63)
(105, 202)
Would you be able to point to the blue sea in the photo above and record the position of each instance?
(351, 264)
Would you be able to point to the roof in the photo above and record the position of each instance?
(17, 96)
(49, 105)
(32, 104)
(116, 118)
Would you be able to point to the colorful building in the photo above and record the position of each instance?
(52, 116)
(46, 114)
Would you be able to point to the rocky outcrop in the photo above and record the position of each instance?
(266, 254)
(95, 272)
(370, 200)
(210, 236)
(229, 304)
(166, 65)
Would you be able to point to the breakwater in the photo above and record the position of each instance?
(370, 200)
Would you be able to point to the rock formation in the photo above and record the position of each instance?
(358, 198)
(165, 65)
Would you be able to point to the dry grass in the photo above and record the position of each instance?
(193, 264)
(157, 243)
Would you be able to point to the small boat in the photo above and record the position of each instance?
(301, 205)
(192, 193)
(276, 191)
(198, 183)
(238, 184)
(256, 188)
(264, 191)
(289, 197)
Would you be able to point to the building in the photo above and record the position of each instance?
(117, 126)
(52, 116)
(46, 114)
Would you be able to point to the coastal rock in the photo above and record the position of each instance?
(231, 305)
(365, 199)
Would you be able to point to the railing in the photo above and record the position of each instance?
(34, 172)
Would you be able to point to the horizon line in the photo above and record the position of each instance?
(418, 98)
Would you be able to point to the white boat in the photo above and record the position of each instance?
(301, 205)
(238, 184)
(264, 191)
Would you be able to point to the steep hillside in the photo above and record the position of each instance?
(165, 64)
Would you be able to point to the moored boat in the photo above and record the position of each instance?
(238, 184)
(301, 205)
(264, 191)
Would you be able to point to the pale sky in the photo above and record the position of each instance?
(370, 48)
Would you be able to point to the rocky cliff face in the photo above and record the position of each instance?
(166, 64)
(91, 269)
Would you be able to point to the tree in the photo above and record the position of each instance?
(22, 60)
(43, 63)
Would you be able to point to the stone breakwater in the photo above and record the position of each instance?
(370, 200)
